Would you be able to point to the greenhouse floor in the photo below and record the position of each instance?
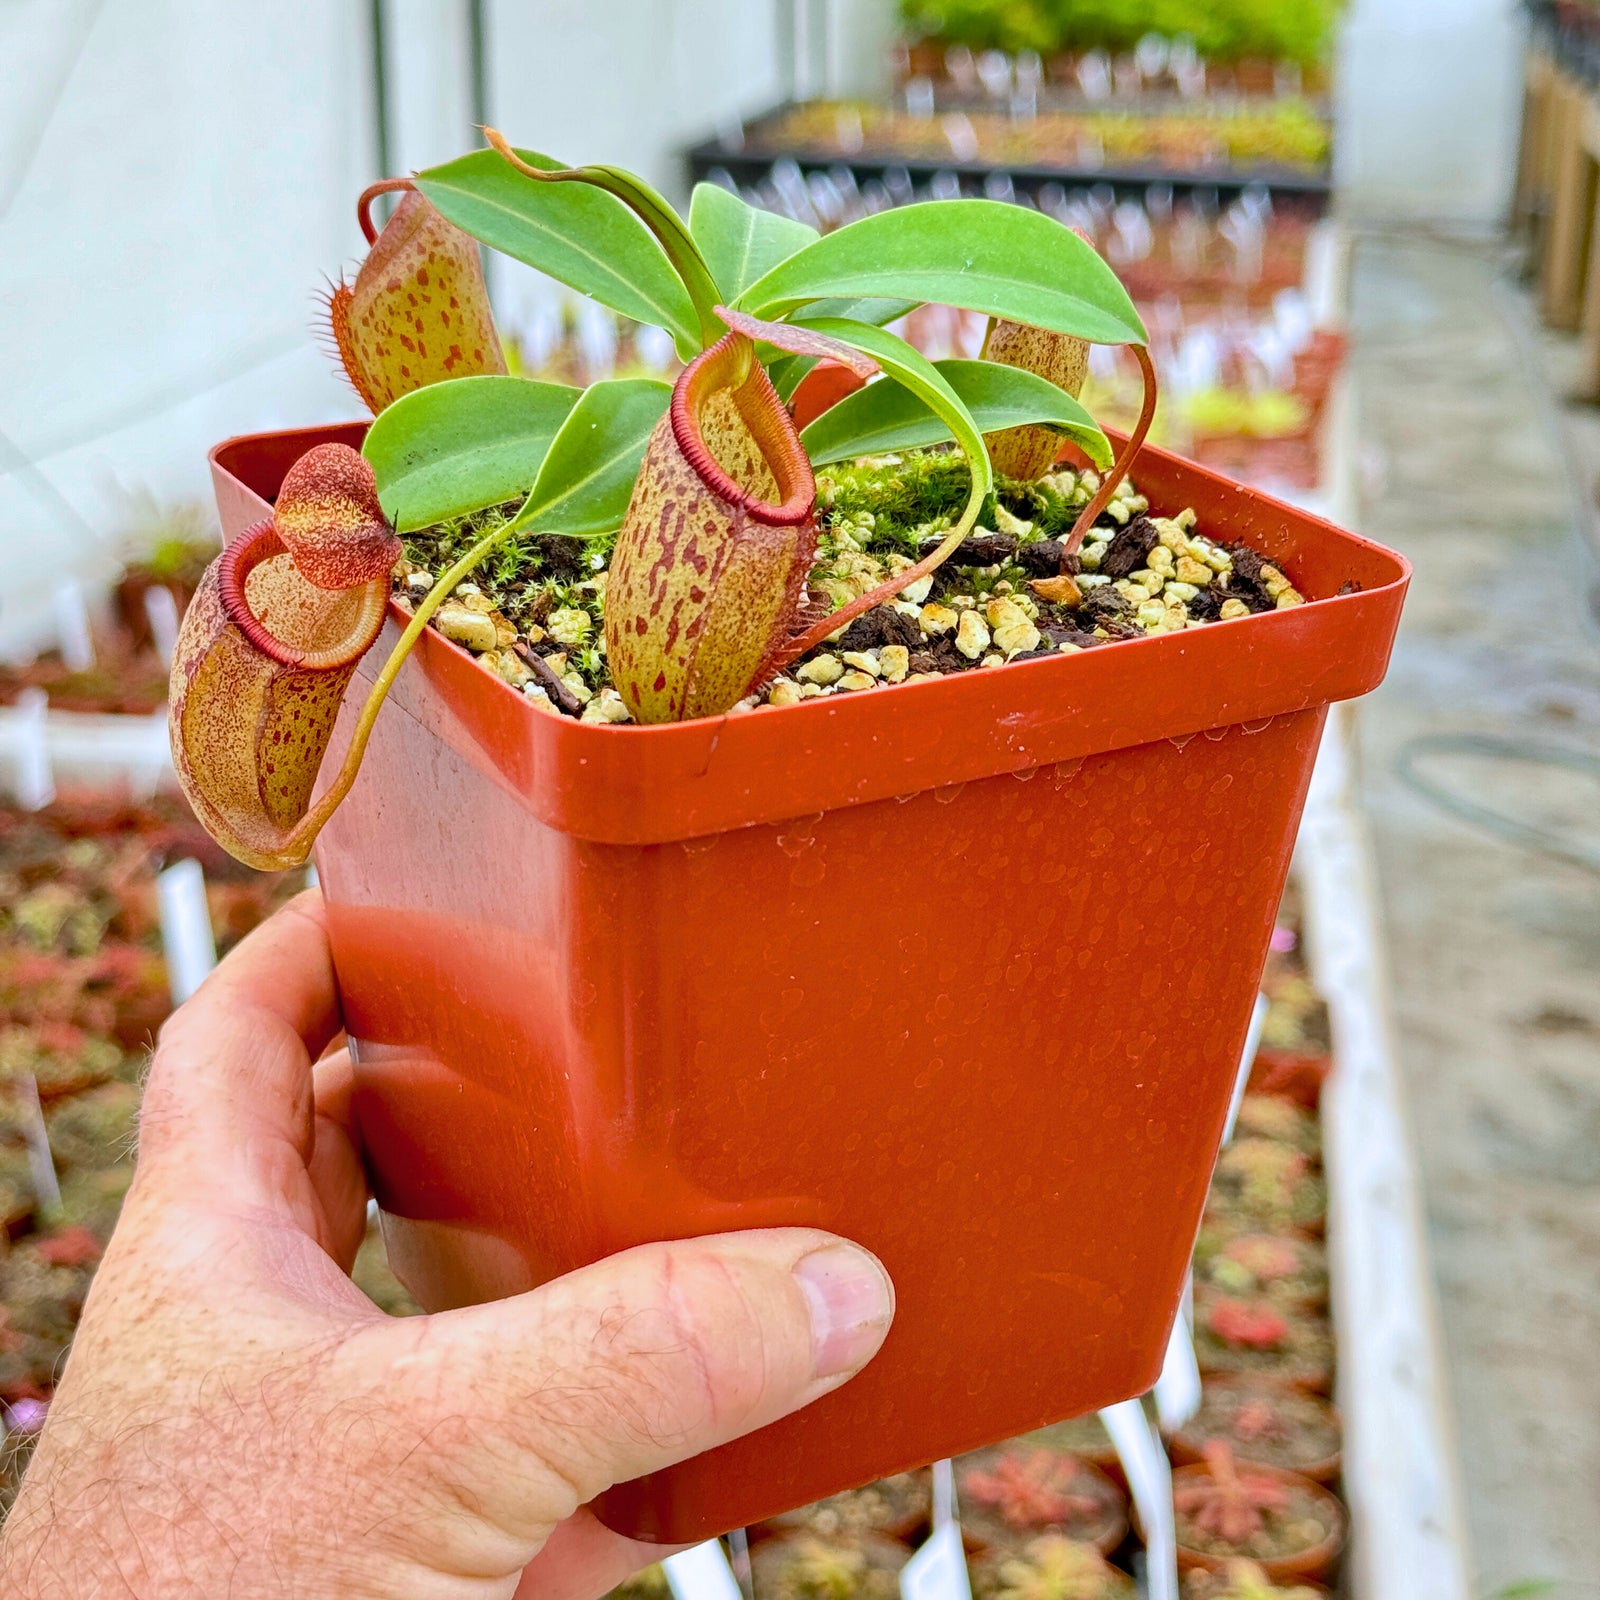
(1494, 947)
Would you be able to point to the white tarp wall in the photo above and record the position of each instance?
(178, 179)
(175, 182)
(1429, 97)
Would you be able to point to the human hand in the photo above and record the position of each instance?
(237, 1419)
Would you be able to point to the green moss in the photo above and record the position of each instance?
(898, 500)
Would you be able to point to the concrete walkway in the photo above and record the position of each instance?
(1495, 949)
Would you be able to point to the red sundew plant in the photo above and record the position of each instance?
(1230, 1502)
(706, 485)
(1247, 1323)
(1031, 1490)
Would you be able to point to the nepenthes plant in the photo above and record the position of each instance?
(706, 484)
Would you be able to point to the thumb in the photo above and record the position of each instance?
(643, 1360)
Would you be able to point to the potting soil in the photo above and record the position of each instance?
(533, 614)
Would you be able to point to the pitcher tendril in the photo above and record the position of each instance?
(371, 193)
(1147, 411)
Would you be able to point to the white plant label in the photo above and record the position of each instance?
(73, 632)
(161, 611)
(1252, 1042)
(186, 931)
(35, 782)
(1150, 1483)
(938, 1571)
(1177, 1390)
(944, 1493)
(702, 1573)
(41, 1163)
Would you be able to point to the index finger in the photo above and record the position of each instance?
(232, 1065)
(282, 971)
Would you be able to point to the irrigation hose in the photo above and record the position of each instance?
(1511, 829)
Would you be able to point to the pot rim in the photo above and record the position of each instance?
(685, 780)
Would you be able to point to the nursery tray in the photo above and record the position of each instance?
(748, 165)
(961, 969)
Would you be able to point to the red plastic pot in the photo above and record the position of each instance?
(824, 385)
(961, 970)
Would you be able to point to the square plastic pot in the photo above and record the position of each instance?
(961, 970)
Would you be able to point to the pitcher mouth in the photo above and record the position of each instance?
(766, 417)
(260, 543)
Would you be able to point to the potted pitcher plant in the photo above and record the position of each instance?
(686, 867)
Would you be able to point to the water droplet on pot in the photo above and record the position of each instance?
(698, 847)
(808, 872)
(1257, 726)
(949, 794)
(1179, 742)
(1025, 774)
(1216, 735)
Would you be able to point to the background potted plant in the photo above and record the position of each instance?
(806, 1566)
(1283, 1120)
(1244, 1580)
(1051, 1568)
(1268, 1185)
(1264, 1339)
(1289, 1271)
(896, 1508)
(1290, 1526)
(1265, 1424)
(1013, 1493)
(638, 949)
(1084, 1437)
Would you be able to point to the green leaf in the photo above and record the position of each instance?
(593, 462)
(788, 371)
(879, 310)
(911, 368)
(886, 416)
(586, 238)
(914, 372)
(455, 447)
(740, 242)
(981, 255)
